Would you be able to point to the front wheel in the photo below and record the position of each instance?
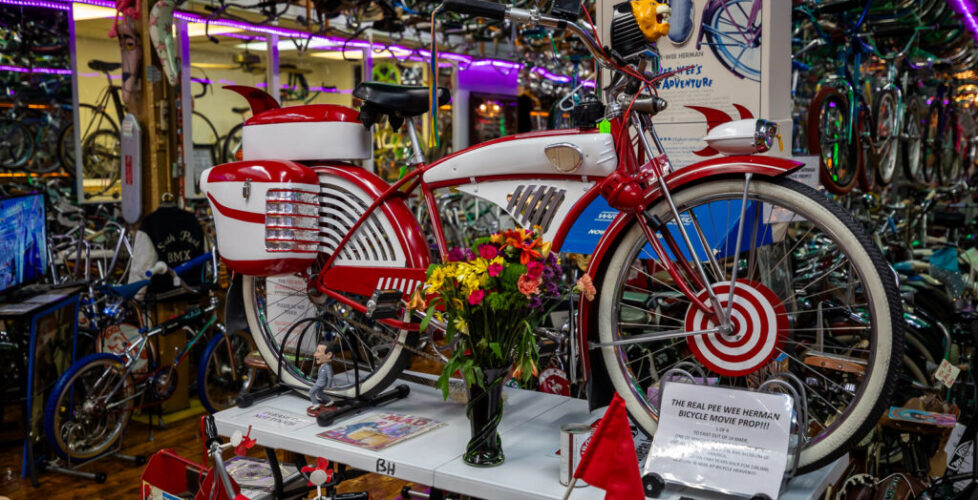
(222, 374)
(812, 297)
(89, 407)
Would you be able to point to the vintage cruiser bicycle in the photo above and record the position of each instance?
(760, 275)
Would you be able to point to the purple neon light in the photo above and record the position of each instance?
(964, 8)
(338, 42)
(43, 71)
(37, 3)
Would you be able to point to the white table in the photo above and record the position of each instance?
(529, 432)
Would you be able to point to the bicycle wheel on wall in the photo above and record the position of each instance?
(813, 298)
(89, 407)
(828, 137)
(16, 145)
(912, 140)
(886, 135)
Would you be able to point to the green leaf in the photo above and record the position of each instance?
(427, 317)
(495, 349)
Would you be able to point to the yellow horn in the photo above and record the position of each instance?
(652, 18)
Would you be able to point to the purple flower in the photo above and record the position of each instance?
(548, 273)
(535, 303)
(550, 288)
(456, 254)
(469, 254)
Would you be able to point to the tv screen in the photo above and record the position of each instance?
(23, 240)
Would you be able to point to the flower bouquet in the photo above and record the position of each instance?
(491, 298)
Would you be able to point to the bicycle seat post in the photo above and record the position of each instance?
(417, 157)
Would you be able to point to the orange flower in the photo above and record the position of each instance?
(527, 286)
(417, 302)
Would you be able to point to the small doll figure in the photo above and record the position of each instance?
(324, 379)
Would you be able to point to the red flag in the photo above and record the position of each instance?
(610, 461)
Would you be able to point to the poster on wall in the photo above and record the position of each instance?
(720, 42)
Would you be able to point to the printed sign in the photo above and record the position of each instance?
(727, 440)
(272, 417)
(287, 304)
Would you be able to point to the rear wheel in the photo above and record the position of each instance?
(813, 298)
(828, 127)
(287, 322)
(222, 374)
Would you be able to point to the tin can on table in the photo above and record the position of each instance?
(573, 441)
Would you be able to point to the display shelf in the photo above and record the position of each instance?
(529, 430)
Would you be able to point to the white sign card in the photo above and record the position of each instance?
(721, 439)
(266, 416)
(288, 303)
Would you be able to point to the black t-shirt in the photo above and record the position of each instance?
(178, 237)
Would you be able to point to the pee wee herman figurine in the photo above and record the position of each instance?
(324, 379)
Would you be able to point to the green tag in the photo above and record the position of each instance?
(604, 126)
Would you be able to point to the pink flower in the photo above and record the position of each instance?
(494, 269)
(534, 269)
(475, 298)
(528, 286)
(488, 252)
(586, 286)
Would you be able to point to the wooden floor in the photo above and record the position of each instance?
(123, 481)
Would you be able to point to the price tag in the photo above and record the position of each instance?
(721, 439)
(947, 373)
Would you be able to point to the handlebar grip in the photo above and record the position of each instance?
(479, 8)
(159, 268)
(210, 430)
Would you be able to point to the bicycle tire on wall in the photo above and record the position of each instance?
(882, 307)
(912, 141)
(837, 184)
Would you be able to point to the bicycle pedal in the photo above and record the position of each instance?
(384, 304)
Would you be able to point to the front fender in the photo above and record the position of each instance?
(765, 166)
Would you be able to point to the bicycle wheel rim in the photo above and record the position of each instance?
(73, 440)
(870, 395)
(886, 126)
(269, 300)
(914, 140)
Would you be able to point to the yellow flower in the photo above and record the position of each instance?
(461, 325)
(545, 249)
(497, 238)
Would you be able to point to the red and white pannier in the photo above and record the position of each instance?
(266, 207)
(266, 213)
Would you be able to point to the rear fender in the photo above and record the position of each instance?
(765, 166)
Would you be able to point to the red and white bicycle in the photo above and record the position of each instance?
(724, 265)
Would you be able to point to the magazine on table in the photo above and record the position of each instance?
(254, 473)
(379, 430)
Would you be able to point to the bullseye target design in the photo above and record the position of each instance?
(759, 327)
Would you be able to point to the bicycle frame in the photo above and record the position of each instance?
(630, 173)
